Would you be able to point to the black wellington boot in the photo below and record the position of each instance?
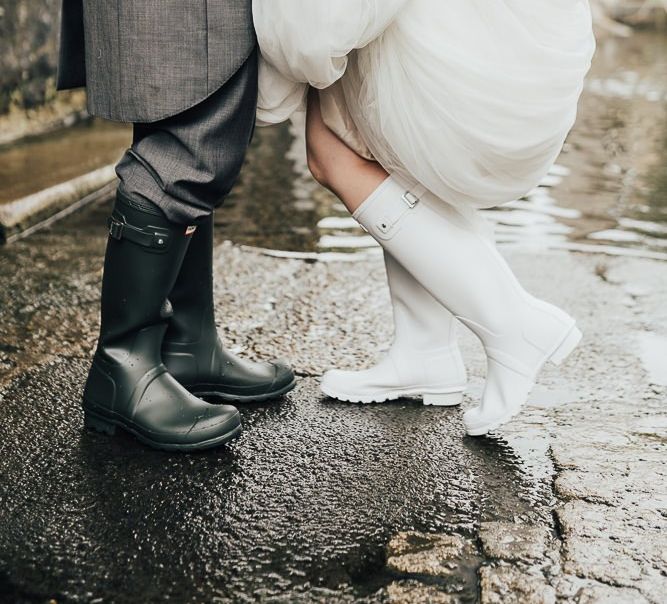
(192, 350)
(128, 386)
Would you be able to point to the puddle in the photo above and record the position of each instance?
(43, 161)
(653, 351)
(547, 398)
(606, 193)
(299, 509)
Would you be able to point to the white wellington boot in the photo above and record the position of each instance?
(424, 358)
(465, 272)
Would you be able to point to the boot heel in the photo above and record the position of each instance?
(570, 342)
(450, 399)
(94, 422)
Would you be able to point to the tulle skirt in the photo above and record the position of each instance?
(471, 98)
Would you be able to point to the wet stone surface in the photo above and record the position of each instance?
(304, 505)
(415, 592)
(508, 541)
(446, 560)
(508, 585)
(585, 591)
(300, 508)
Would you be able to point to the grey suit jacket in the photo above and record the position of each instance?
(144, 60)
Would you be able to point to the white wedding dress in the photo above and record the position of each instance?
(471, 98)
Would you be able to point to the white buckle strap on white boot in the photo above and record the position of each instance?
(447, 254)
(424, 359)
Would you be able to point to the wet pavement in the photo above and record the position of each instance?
(302, 506)
(321, 501)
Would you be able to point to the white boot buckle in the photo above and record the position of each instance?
(410, 199)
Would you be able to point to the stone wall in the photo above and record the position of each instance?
(29, 104)
(28, 52)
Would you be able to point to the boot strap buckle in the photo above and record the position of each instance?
(150, 237)
(412, 196)
(410, 199)
(116, 229)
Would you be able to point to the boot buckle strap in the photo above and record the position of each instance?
(150, 237)
(388, 221)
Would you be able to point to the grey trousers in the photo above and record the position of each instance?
(187, 164)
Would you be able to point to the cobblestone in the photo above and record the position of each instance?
(506, 541)
(508, 585)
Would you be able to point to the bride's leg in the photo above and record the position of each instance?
(460, 268)
(334, 165)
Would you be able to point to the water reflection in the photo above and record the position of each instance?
(40, 162)
(620, 144)
(607, 193)
(653, 349)
(276, 203)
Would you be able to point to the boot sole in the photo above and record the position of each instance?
(225, 397)
(103, 425)
(557, 357)
(446, 398)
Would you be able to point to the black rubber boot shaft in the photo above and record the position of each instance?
(128, 385)
(192, 349)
